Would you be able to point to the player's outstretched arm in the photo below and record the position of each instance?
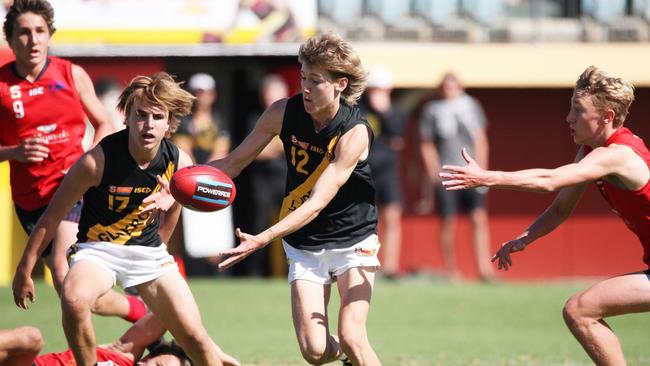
(600, 162)
(561, 208)
(86, 172)
(95, 110)
(348, 152)
(268, 126)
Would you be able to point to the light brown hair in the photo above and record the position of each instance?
(20, 7)
(159, 90)
(338, 58)
(606, 91)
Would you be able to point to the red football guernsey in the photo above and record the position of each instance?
(631, 206)
(105, 357)
(49, 107)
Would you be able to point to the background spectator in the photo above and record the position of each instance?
(387, 122)
(448, 124)
(204, 136)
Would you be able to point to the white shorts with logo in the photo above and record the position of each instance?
(325, 265)
(128, 265)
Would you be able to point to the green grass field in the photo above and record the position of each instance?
(412, 323)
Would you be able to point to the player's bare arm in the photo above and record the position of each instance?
(602, 162)
(95, 110)
(86, 172)
(353, 146)
(141, 334)
(559, 210)
(268, 126)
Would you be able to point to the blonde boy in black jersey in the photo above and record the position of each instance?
(328, 219)
(118, 239)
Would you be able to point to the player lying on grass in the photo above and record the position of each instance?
(619, 163)
(20, 347)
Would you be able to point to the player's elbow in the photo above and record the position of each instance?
(546, 187)
(549, 185)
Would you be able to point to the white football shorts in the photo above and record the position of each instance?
(128, 265)
(325, 265)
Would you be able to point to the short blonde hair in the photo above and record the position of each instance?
(606, 91)
(158, 90)
(338, 58)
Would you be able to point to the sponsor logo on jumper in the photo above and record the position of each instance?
(46, 128)
(121, 191)
(52, 134)
(56, 86)
(211, 191)
(36, 91)
(295, 141)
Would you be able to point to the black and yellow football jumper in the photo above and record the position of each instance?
(351, 216)
(112, 211)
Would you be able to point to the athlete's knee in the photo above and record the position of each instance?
(75, 302)
(576, 310)
(195, 337)
(315, 353)
(353, 340)
(30, 339)
(313, 357)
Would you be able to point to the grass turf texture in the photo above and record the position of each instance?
(412, 323)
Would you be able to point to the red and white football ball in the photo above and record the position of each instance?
(202, 188)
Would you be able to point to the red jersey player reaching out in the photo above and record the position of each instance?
(611, 156)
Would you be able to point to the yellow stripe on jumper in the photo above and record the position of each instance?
(300, 194)
(131, 225)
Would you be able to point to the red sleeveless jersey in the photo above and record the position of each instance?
(49, 107)
(105, 357)
(631, 206)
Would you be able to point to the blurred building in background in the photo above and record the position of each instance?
(520, 58)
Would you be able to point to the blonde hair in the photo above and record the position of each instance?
(158, 90)
(338, 58)
(606, 91)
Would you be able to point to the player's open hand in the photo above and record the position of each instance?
(503, 254)
(463, 177)
(247, 245)
(32, 150)
(161, 200)
(23, 288)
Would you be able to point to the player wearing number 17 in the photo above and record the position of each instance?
(120, 240)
